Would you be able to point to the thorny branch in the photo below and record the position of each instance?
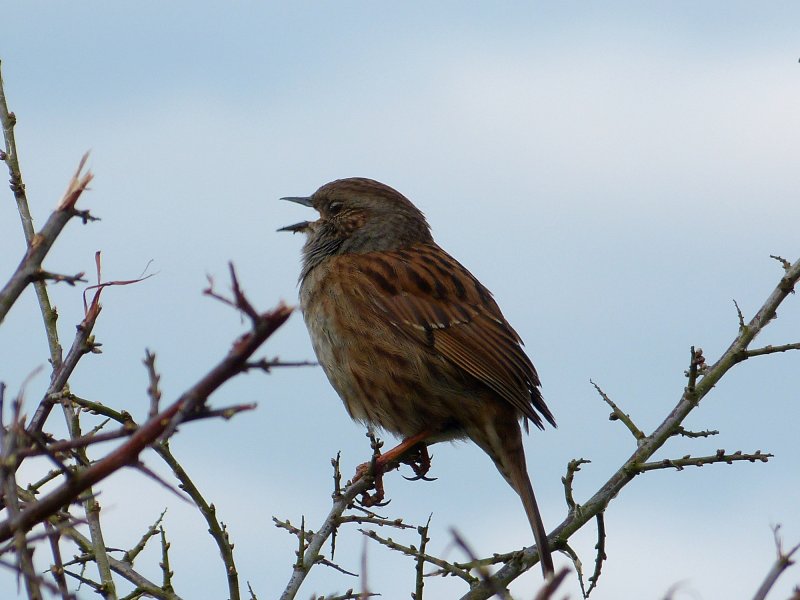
(263, 325)
(422, 557)
(217, 529)
(121, 567)
(75, 471)
(29, 269)
(702, 379)
(49, 316)
(310, 551)
(192, 401)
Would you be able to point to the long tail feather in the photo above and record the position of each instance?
(502, 441)
(522, 484)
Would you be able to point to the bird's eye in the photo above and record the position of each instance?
(334, 208)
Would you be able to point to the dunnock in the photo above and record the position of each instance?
(409, 339)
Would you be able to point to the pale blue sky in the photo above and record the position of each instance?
(615, 174)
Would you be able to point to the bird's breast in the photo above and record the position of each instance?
(383, 377)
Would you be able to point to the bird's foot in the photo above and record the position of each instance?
(420, 462)
(368, 499)
(411, 451)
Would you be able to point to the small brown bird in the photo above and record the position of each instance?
(409, 339)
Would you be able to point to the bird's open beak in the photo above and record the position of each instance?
(303, 225)
(304, 200)
(297, 227)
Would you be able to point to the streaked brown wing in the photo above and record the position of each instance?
(430, 296)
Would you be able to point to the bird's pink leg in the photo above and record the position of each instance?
(391, 459)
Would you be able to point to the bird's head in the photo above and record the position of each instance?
(358, 215)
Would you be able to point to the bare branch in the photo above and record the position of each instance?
(97, 587)
(70, 280)
(707, 378)
(782, 562)
(698, 461)
(348, 595)
(573, 467)
(739, 314)
(8, 120)
(153, 530)
(576, 562)
(771, 350)
(10, 156)
(209, 512)
(81, 345)
(263, 326)
(31, 263)
(83, 441)
(152, 390)
(483, 572)
(96, 408)
(696, 434)
(166, 583)
(697, 366)
(9, 438)
(601, 553)
(156, 427)
(251, 592)
(376, 520)
(420, 570)
(122, 568)
(618, 415)
(335, 567)
(267, 365)
(446, 567)
(784, 263)
(312, 552)
(57, 568)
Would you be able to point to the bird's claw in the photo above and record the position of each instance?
(417, 458)
(368, 500)
(375, 469)
(420, 462)
(420, 477)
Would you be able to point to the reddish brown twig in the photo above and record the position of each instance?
(155, 428)
(30, 266)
